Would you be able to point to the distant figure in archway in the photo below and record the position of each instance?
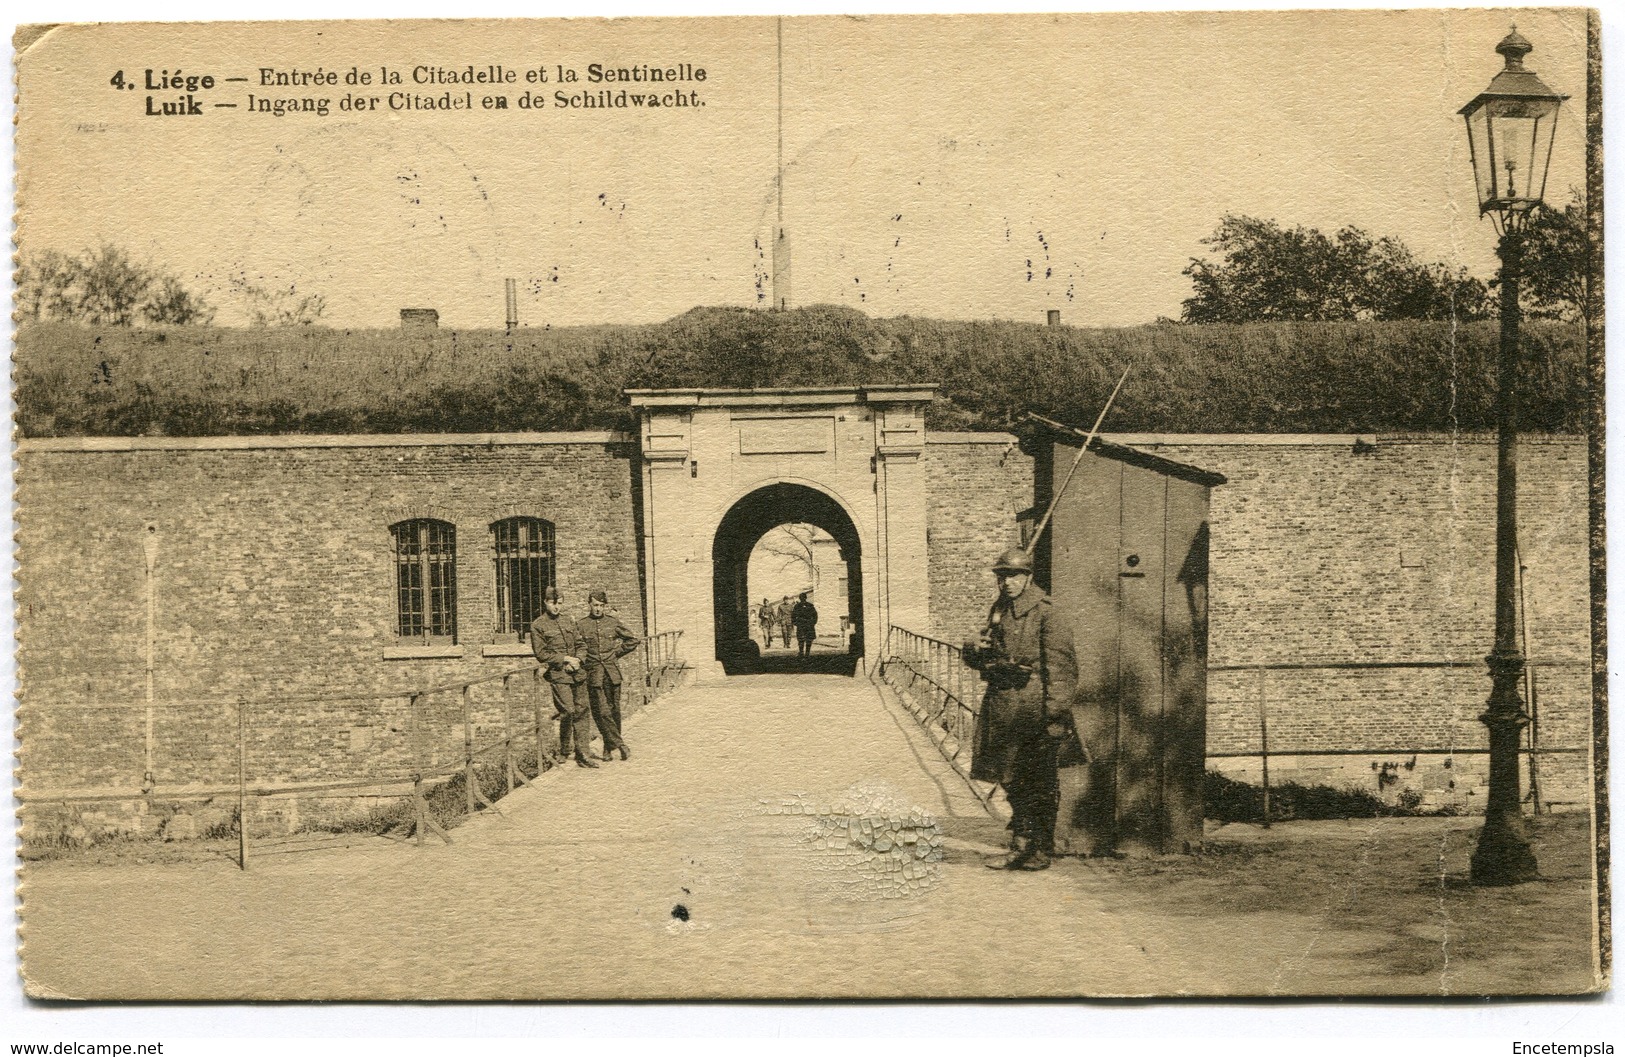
(804, 615)
(766, 616)
(784, 620)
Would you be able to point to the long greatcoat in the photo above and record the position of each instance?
(1012, 721)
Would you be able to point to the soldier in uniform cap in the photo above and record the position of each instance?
(782, 617)
(556, 641)
(1025, 654)
(766, 614)
(606, 640)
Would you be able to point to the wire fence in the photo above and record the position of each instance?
(490, 734)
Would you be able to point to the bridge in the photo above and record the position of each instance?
(772, 836)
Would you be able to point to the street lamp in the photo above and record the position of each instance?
(1510, 128)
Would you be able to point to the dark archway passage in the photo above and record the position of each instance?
(746, 523)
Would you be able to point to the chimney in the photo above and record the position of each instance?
(1054, 317)
(513, 305)
(419, 320)
(781, 271)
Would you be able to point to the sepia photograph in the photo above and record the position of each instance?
(885, 507)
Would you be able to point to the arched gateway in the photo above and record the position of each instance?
(723, 466)
(742, 528)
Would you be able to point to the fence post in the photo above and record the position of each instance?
(940, 681)
(471, 792)
(959, 694)
(535, 704)
(242, 784)
(1533, 697)
(468, 750)
(967, 685)
(419, 809)
(507, 733)
(1264, 742)
(931, 680)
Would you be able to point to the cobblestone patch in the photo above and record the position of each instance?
(871, 840)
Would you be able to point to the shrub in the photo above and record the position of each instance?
(1284, 378)
(1224, 799)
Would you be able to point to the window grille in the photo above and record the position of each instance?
(525, 566)
(426, 580)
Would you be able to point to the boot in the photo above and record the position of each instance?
(1021, 850)
(1038, 860)
(582, 760)
(626, 753)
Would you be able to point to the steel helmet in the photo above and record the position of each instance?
(1014, 560)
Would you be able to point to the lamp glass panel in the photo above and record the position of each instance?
(1521, 133)
(1478, 141)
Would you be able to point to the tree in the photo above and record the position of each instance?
(175, 305)
(793, 544)
(103, 287)
(1554, 261)
(280, 306)
(44, 286)
(1269, 273)
(111, 287)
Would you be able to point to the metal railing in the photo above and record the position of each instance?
(930, 677)
(430, 734)
(932, 681)
(661, 664)
(1531, 749)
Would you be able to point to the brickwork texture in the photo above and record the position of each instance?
(275, 579)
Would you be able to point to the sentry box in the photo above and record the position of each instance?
(1125, 558)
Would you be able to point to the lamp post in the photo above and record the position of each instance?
(1509, 133)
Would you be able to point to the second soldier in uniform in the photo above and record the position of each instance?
(605, 640)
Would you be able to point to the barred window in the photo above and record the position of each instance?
(425, 580)
(523, 548)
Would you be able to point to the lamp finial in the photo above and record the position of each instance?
(1514, 47)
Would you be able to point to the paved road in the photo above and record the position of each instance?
(573, 889)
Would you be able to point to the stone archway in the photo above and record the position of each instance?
(745, 523)
(719, 464)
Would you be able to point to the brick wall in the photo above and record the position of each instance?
(977, 483)
(275, 578)
(1323, 552)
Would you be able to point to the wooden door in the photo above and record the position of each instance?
(1083, 555)
(1139, 778)
(1184, 652)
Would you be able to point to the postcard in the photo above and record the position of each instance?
(885, 507)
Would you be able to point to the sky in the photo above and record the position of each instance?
(956, 167)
